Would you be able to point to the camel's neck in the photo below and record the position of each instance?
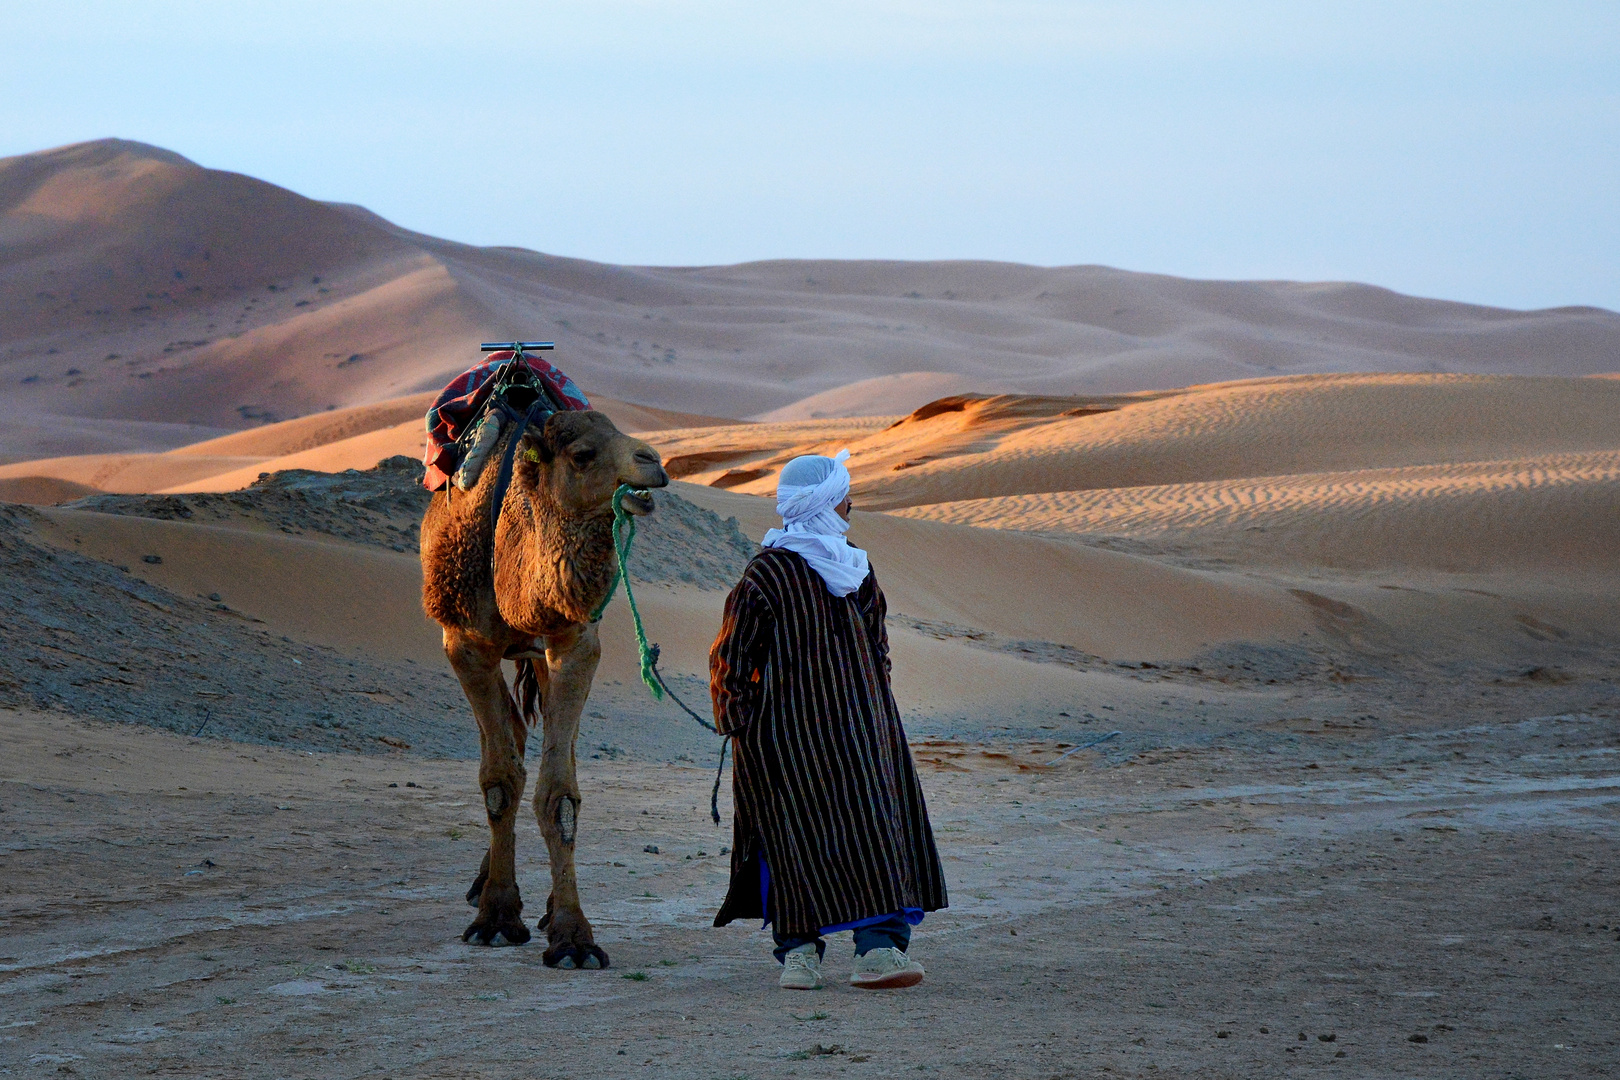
(563, 563)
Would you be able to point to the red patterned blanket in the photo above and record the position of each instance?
(463, 400)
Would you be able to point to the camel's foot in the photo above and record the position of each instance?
(475, 893)
(499, 919)
(571, 943)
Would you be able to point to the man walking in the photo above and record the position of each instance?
(831, 832)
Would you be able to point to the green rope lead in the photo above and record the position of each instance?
(621, 548)
(649, 653)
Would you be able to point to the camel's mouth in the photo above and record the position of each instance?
(637, 502)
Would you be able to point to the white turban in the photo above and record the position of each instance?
(806, 493)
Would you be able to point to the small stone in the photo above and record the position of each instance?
(153, 559)
(651, 849)
(1340, 1054)
(393, 785)
(410, 783)
(1223, 1034)
(1417, 1036)
(1303, 1036)
(1011, 931)
(724, 850)
(214, 596)
(1329, 1037)
(1265, 1031)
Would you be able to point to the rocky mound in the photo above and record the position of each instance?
(87, 637)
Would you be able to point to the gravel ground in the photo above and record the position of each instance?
(1437, 906)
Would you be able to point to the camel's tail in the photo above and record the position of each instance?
(529, 697)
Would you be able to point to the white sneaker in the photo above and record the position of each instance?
(885, 969)
(801, 970)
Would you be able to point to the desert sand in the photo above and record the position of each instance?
(354, 438)
(1332, 574)
(139, 286)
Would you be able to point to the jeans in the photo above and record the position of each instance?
(892, 932)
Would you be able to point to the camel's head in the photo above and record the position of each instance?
(581, 459)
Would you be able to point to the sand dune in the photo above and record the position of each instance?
(1101, 602)
(42, 490)
(28, 436)
(126, 472)
(363, 600)
(1014, 445)
(344, 595)
(1559, 513)
(884, 395)
(136, 285)
(1394, 472)
(354, 438)
(315, 430)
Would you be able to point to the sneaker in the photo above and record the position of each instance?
(885, 969)
(801, 970)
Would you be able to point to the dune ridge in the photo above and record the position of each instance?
(135, 284)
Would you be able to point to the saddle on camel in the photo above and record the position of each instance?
(517, 564)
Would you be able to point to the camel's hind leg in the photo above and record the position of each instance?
(502, 778)
(572, 658)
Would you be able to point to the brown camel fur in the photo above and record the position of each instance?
(553, 562)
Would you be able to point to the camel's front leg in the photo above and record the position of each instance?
(501, 778)
(572, 657)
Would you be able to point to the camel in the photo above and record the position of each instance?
(532, 602)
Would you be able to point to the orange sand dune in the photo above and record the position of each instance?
(884, 395)
(1555, 513)
(1002, 446)
(357, 452)
(355, 438)
(140, 286)
(42, 490)
(125, 472)
(317, 429)
(1389, 472)
(1101, 602)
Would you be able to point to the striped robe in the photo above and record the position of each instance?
(824, 783)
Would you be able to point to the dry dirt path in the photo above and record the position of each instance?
(1434, 904)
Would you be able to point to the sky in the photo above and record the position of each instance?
(1464, 150)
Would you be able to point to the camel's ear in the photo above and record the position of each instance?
(536, 448)
(543, 442)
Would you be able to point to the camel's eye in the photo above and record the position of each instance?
(584, 457)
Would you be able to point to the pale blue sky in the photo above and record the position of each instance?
(1462, 150)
